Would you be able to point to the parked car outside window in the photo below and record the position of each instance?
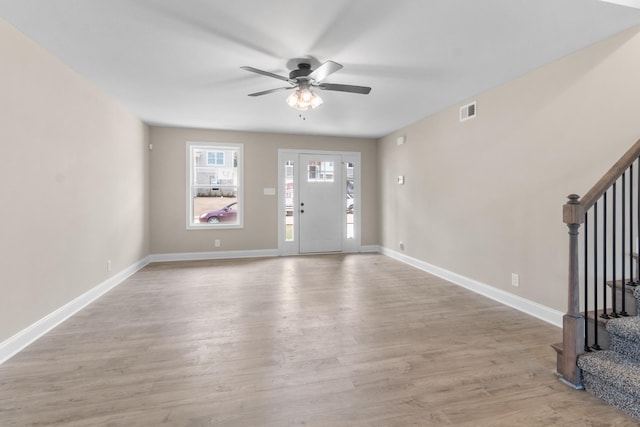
(228, 213)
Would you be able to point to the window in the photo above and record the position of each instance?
(215, 158)
(350, 202)
(320, 172)
(214, 191)
(289, 200)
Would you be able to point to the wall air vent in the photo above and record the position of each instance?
(468, 111)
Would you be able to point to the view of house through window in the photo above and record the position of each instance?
(289, 199)
(214, 185)
(350, 202)
(320, 171)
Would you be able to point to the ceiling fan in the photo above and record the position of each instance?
(303, 79)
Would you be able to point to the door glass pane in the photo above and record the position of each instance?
(350, 204)
(320, 171)
(289, 199)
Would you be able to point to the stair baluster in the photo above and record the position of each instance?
(614, 277)
(637, 279)
(585, 239)
(623, 279)
(630, 223)
(595, 344)
(604, 314)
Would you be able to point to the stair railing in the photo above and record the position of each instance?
(607, 262)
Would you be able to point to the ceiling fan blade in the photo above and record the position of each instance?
(324, 71)
(266, 73)
(265, 92)
(364, 90)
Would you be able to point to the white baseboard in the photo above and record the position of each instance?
(199, 256)
(22, 339)
(531, 308)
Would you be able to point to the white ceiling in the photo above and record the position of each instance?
(177, 63)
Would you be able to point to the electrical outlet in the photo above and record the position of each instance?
(515, 279)
(217, 243)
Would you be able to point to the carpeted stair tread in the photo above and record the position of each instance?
(612, 395)
(627, 327)
(614, 369)
(624, 334)
(614, 375)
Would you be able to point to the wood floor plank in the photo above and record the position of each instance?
(327, 340)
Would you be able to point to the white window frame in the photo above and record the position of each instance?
(213, 146)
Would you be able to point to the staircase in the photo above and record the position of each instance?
(600, 348)
(613, 375)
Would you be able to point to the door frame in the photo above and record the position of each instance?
(292, 247)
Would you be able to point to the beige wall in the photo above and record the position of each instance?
(168, 186)
(73, 184)
(483, 198)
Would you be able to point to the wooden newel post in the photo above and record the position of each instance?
(572, 322)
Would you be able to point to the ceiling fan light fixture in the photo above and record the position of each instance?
(306, 94)
(303, 99)
(303, 79)
(316, 101)
(292, 99)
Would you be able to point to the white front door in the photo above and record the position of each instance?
(320, 203)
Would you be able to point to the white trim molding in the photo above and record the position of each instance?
(369, 249)
(524, 305)
(200, 256)
(262, 253)
(11, 346)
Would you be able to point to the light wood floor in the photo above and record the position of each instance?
(333, 340)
